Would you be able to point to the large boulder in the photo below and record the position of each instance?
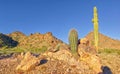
(29, 62)
(81, 65)
(85, 45)
(84, 41)
(92, 61)
(88, 55)
(64, 55)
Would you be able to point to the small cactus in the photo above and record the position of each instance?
(73, 40)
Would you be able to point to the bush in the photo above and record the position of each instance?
(109, 51)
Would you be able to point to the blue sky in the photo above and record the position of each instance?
(59, 16)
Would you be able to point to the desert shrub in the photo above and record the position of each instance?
(37, 50)
(109, 51)
(43, 49)
(5, 51)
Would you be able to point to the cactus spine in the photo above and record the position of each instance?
(95, 23)
(73, 40)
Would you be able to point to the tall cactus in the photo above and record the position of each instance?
(95, 23)
(73, 40)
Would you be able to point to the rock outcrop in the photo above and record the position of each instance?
(38, 40)
(88, 55)
(87, 62)
(85, 45)
(6, 41)
(29, 62)
(66, 56)
(17, 36)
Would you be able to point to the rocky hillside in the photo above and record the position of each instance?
(55, 61)
(104, 41)
(17, 36)
(58, 59)
(6, 41)
(36, 40)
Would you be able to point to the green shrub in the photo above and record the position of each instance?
(109, 51)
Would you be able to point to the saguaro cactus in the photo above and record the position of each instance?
(73, 40)
(95, 23)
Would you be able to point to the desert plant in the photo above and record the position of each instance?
(109, 51)
(95, 22)
(73, 40)
(57, 47)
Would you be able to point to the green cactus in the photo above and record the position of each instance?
(73, 40)
(95, 22)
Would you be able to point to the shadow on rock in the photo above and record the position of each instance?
(106, 70)
(7, 41)
(5, 56)
(43, 61)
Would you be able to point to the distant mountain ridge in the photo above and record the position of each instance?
(38, 40)
(104, 41)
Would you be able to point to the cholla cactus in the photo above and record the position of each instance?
(95, 22)
(73, 40)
